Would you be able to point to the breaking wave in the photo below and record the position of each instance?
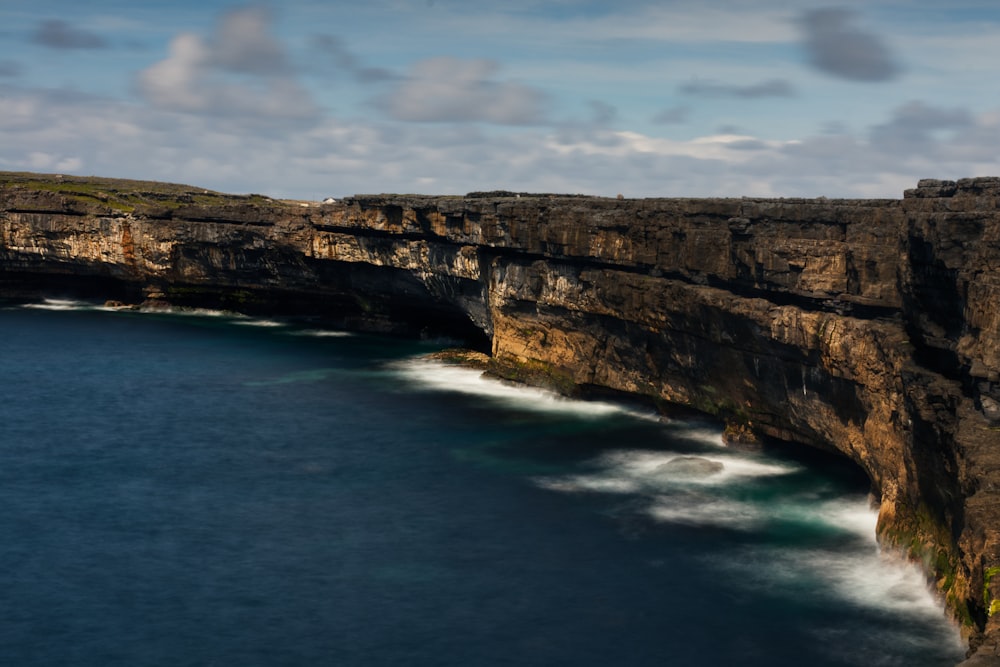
(321, 333)
(441, 376)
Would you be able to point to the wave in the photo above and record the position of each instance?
(440, 376)
(259, 323)
(321, 333)
(155, 309)
(61, 304)
(651, 472)
(189, 312)
(695, 433)
(862, 574)
(801, 539)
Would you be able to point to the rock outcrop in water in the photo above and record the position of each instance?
(870, 327)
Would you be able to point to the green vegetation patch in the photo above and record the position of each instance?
(125, 195)
(987, 580)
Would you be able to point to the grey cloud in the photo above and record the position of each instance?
(571, 135)
(747, 145)
(452, 90)
(10, 68)
(241, 44)
(913, 126)
(333, 47)
(768, 88)
(602, 112)
(57, 34)
(730, 129)
(672, 116)
(837, 47)
(240, 70)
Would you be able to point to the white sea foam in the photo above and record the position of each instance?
(855, 571)
(705, 510)
(259, 323)
(652, 472)
(876, 580)
(863, 575)
(114, 309)
(190, 312)
(708, 434)
(849, 515)
(439, 376)
(60, 304)
(321, 333)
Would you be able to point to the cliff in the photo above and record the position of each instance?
(870, 327)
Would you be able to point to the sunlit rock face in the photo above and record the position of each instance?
(870, 327)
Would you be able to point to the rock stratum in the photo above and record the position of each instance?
(867, 327)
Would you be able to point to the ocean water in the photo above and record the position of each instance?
(205, 489)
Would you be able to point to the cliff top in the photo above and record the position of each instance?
(122, 194)
(95, 194)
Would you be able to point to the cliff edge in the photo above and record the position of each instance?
(868, 327)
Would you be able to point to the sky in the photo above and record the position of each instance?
(647, 98)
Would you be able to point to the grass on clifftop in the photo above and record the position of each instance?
(123, 194)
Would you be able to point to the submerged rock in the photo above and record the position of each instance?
(689, 466)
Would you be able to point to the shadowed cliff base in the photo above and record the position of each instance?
(865, 326)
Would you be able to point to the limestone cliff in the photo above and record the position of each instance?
(870, 327)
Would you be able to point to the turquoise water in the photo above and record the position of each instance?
(213, 490)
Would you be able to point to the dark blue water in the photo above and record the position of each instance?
(194, 490)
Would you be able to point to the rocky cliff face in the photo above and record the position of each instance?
(870, 327)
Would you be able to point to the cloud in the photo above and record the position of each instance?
(240, 69)
(10, 68)
(333, 47)
(768, 88)
(241, 44)
(672, 116)
(65, 131)
(915, 126)
(452, 90)
(602, 112)
(836, 47)
(57, 34)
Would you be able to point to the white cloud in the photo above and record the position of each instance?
(452, 90)
(239, 70)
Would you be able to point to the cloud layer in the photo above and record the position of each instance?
(769, 88)
(640, 98)
(837, 47)
(240, 70)
(57, 34)
(441, 90)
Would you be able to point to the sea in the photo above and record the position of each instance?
(203, 488)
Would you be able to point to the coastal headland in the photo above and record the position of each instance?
(866, 327)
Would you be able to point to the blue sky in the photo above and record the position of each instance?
(309, 98)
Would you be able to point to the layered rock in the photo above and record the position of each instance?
(869, 327)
